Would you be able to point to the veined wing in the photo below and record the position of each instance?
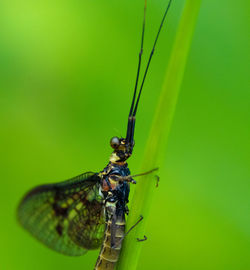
(68, 216)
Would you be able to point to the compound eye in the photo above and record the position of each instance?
(114, 142)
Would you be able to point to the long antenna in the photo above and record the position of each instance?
(150, 57)
(131, 123)
(139, 63)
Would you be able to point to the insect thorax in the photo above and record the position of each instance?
(113, 190)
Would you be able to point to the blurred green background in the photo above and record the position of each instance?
(67, 70)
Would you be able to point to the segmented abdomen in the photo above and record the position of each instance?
(109, 254)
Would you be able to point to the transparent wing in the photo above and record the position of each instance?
(67, 217)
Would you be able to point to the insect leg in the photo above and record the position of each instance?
(145, 173)
(131, 228)
(157, 180)
(143, 239)
(129, 178)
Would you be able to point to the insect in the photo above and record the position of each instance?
(88, 211)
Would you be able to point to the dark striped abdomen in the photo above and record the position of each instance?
(109, 255)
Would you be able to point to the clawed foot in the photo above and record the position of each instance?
(157, 180)
(143, 239)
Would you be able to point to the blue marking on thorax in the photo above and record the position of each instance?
(120, 170)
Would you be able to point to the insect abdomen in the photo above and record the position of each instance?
(109, 254)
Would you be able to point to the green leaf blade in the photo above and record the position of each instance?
(141, 202)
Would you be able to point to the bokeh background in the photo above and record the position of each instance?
(67, 70)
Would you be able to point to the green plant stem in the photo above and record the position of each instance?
(157, 141)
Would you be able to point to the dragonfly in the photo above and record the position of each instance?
(89, 211)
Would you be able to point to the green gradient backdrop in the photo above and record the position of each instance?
(67, 69)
